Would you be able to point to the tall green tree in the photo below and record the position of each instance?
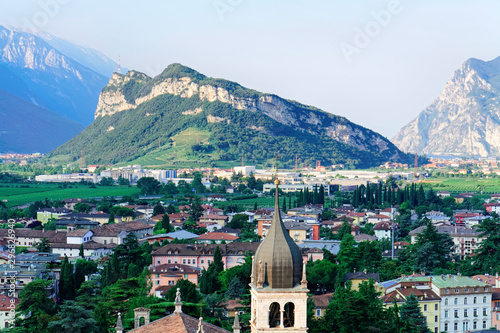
(209, 280)
(412, 317)
(188, 292)
(432, 249)
(74, 319)
(35, 309)
(148, 185)
(158, 209)
(487, 257)
(348, 255)
(43, 245)
(67, 289)
(235, 290)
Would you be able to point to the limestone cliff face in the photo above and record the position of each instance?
(464, 119)
(117, 97)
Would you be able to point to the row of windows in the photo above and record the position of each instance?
(476, 289)
(455, 301)
(435, 307)
(466, 313)
(465, 326)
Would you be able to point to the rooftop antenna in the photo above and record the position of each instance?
(276, 169)
(119, 68)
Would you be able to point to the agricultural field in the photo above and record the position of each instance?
(19, 194)
(458, 185)
(248, 204)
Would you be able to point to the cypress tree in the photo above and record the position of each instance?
(165, 222)
(321, 195)
(67, 281)
(284, 204)
(81, 251)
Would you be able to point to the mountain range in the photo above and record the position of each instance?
(182, 117)
(465, 118)
(47, 76)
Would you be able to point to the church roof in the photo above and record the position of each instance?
(178, 323)
(278, 260)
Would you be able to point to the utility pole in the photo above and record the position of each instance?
(392, 234)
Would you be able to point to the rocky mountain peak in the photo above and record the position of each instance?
(463, 119)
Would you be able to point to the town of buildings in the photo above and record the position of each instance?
(450, 303)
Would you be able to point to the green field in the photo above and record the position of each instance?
(458, 185)
(17, 194)
(248, 204)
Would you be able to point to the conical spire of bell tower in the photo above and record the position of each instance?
(278, 260)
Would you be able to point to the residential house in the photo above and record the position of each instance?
(465, 303)
(428, 301)
(383, 230)
(45, 214)
(462, 219)
(169, 274)
(200, 256)
(219, 219)
(357, 278)
(102, 218)
(495, 308)
(28, 237)
(436, 216)
(354, 229)
(492, 207)
(14, 279)
(309, 245)
(298, 231)
(91, 249)
(180, 235)
(321, 304)
(8, 306)
(115, 233)
(377, 218)
(77, 222)
(217, 238)
(358, 218)
(466, 240)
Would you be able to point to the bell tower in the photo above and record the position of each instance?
(278, 284)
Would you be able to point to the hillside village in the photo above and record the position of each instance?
(404, 242)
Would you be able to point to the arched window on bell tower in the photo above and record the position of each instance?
(289, 315)
(274, 315)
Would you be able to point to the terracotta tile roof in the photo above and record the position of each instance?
(489, 279)
(88, 245)
(217, 236)
(400, 295)
(77, 233)
(51, 235)
(322, 301)
(361, 276)
(178, 323)
(382, 226)
(110, 230)
(207, 249)
(233, 304)
(5, 302)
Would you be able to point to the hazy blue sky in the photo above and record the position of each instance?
(309, 51)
